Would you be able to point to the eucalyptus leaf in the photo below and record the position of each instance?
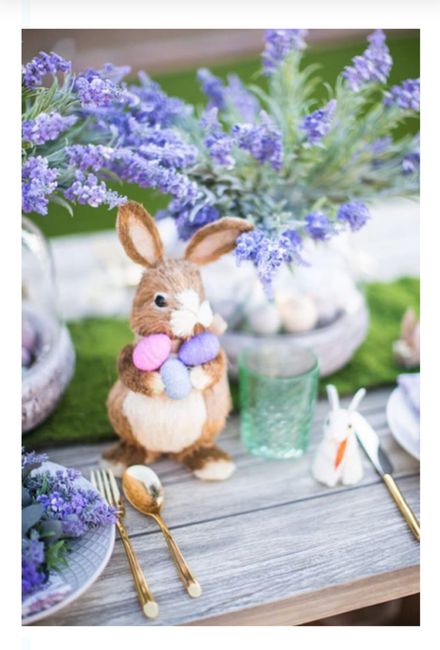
(51, 529)
(30, 516)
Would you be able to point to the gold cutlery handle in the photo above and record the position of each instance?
(404, 508)
(191, 584)
(146, 598)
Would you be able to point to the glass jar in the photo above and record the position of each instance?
(47, 352)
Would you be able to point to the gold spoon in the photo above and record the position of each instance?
(145, 492)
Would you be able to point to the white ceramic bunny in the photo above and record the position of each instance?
(338, 458)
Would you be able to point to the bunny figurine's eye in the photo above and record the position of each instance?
(160, 300)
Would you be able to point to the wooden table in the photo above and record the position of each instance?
(269, 547)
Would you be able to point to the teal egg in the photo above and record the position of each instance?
(176, 379)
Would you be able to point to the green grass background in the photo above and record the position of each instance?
(405, 51)
(81, 415)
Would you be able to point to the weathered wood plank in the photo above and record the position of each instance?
(246, 560)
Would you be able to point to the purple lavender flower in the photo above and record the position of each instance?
(46, 127)
(42, 65)
(32, 559)
(88, 190)
(318, 124)
(32, 458)
(405, 96)
(155, 107)
(380, 145)
(94, 90)
(241, 99)
(263, 141)
(218, 143)
(133, 168)
(318, 226)
(113, 72)
(248, 244)
(38, 183)
(411, 162)
(373, 66)
(187, 225)
(89, 156)
(355, 214)
(278, 44)
(267, 253)
(213, 87)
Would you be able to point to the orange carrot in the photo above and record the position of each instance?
(340, 452)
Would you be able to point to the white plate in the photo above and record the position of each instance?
(404, 423)
(89, 556)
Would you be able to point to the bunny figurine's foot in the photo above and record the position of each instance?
(121, 455)
(209, 463)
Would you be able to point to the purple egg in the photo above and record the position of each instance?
(28, 335)
(26, 357)
(199, 349)
(176, 378)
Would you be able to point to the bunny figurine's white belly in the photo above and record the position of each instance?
(163, 424)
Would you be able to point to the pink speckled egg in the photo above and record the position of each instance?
(151, 351)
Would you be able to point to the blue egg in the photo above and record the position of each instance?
(176, 378)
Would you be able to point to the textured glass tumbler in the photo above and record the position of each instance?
(278, 389)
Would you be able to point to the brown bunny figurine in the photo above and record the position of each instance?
(170, 300)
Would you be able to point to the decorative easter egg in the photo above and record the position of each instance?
(28, 335)
(199, 349)
(298, 314)
(264, 319)
(26, 357)
(151, 351)
(176, 378)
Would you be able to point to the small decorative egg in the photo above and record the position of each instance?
(199, 349)
(26, 357)
(298, 314)
(176, 378)
(28, 335)
(264, 319)
(151, 351)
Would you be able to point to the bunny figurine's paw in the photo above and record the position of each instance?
(155, 383)
(215, 470)
(200, 379)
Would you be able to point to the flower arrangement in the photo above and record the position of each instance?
(54, 509)
(297, 170)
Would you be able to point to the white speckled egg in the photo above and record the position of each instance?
(264, 319)
(298, 314)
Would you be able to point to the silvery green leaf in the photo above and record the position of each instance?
(30, 515)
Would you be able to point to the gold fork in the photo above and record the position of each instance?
(105, 482)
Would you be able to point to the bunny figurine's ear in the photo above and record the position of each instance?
(333, 397)
(357, 398)
(139, 234)
(214, 240)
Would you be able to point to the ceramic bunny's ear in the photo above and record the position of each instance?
(357, 398)
(333, 397)
(139, 234)
(214, 240)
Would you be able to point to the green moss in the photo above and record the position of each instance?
(81, 416)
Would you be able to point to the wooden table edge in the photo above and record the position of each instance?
(314, 605)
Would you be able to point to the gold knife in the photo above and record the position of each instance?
(369, 441)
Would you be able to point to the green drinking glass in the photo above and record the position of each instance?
(278, 390)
